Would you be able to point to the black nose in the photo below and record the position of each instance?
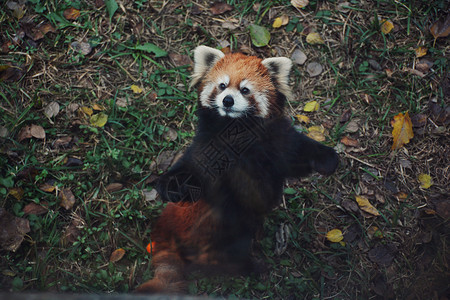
(228, 101)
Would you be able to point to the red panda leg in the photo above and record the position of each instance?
(168, 277)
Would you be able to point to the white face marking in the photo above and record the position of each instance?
(241, 105)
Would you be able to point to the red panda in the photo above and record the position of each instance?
(232, 174)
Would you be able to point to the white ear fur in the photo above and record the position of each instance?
(204, 59)
(279, 68)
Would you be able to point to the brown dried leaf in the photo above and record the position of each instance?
(440, 28)
(52, 109)
(12, 230)
(383, 254)
(314, 69)
(24, 133)
(114, 187)
(71, 13)
(117, 255)
(180, 59)
(37, 131)
(10, 73)
(419, 120)
(348, 141)
(34, 209)
(67, 198)
(218, 8)
(47, 187)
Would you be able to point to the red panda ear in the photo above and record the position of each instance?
(279, 69)
(204, 59)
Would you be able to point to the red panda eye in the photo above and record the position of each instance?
(245, 91)
(222, 86)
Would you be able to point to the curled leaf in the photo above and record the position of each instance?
(365, 205)
(71, 13)
(335, 235)
(299, 3)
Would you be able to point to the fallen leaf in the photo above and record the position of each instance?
(72, 162)
(136, 89)
(180, 59)
(81, 47)
(277, 23)
(117, 255)
(259, 35)
(72, 232)
(98, 107)
(284, 20)
(299, 3)
(348, 141)
(316, 133)
(17, 193)
(313, 38)
(33, 131)
(425, 180)
(314, 69)
(218, 8)
(12, 230)
(311, 106)
(67, 198)
(170, 134)
(87, 110)
(34, 209)
(383, 254)
(303, 119)
(11, 73)
(99, 120)
(386, 26)
(365, 205)
(47, 187)
(401, 196)
(374, 231)
(299, 57)
(150, 195)
(419, 120)
(71, 13)
(52, 109)
(441, 29)
(402, 132)
(421, 51)
(46, 28)
(114, 187)
(335, 235)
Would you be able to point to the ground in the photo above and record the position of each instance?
(95, 105)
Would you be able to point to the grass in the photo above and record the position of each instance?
(367, 80)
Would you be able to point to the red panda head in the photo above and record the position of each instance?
(237, 85)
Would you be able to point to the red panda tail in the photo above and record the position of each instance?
(168, 277)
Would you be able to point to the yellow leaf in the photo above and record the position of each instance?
(313, 38)
(303, 119)
(87, 110)
(99, 120)
(421, 51)
(299, 3)
(402, 131)
(386, 26)
(17, 193)
(335, 235)
(365, 205)
(136, 89)
(117, 255)
(316, 133)
(277, 23)
(97, 107)
(311, 106)
(425, 181)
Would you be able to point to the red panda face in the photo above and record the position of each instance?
(237, 85)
